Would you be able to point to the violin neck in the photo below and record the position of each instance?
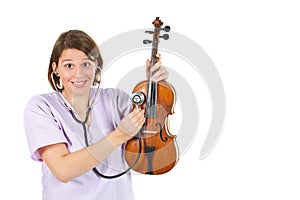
(154, 50)
(152, 89)
(152, 86)
(151, 100)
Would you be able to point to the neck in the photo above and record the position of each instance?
(79, 103)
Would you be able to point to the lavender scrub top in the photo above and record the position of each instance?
(47, 121)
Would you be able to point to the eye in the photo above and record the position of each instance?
(68, 66)
(86, 64)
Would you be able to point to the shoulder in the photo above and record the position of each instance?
(42, 101)
(41, 98)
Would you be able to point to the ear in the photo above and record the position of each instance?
(54, 68)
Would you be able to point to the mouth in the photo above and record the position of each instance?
(79, 84)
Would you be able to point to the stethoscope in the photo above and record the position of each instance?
(83, 123)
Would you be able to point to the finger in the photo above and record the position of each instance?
(163, 77)
(157, 66)
(158, 56)
(138, 116)
(141, 122)
(133, 113)
(160, 78)
(161, 74)
(147, 65)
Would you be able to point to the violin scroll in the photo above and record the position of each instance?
(158, 23)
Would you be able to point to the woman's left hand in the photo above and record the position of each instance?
(160, 72)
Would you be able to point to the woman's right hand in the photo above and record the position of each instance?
(132, 123)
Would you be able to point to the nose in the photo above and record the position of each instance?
(78, 70)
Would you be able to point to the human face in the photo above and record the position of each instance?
(76, 72)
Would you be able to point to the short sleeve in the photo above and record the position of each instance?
(41, 127)
(121, 105)
(124, 103)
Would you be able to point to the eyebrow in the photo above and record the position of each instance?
(69, 59)
(64, 60)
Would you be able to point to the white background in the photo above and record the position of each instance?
(255, 47)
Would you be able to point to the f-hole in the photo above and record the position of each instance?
(160, 132)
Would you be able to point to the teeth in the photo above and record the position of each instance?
(79, 83)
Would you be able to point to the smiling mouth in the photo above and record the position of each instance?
(79, 84)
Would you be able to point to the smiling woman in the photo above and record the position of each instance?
(78, 131)
(82, 45)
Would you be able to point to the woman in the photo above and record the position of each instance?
(77, 131)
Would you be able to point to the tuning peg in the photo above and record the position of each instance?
(150, 32)
(147, 41)
(167, 28)
(164, 36)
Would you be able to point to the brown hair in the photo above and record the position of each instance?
(75, 39)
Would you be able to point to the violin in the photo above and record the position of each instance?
(154, 149)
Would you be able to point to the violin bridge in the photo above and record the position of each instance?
(150, 132)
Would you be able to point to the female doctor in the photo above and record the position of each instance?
(77, 131)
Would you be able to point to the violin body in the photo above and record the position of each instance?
(159, 151)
